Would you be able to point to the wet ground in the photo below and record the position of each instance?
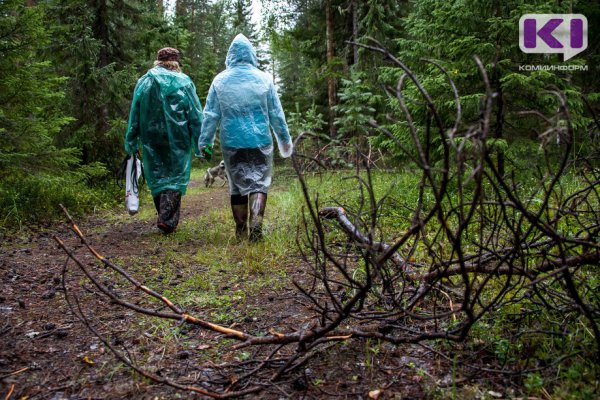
(46, 352)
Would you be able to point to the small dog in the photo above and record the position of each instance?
(215, 172)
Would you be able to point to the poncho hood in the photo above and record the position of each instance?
(241, 51)
(169, 81)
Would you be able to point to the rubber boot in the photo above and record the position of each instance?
(258, 203)
(240, 216)
(168, 206)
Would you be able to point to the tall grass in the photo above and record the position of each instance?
(35, 200)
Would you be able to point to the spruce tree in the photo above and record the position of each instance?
(242, 19)
(35, 173)
(30, 96)
(209, 35)
(488, 29)
(103, 46)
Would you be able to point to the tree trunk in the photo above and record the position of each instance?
(330, 56)
(192, 12)
(499, 128)
(273, 72)
(499, 131)
(179, 8)
(101, 33)
(354, 5)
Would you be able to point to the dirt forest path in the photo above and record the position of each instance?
(47, 353)
(41, 342)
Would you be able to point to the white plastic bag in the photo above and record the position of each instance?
(132, 199)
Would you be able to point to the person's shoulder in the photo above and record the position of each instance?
(261, 74)
(266, 78)
(176, 78)
(145, 77)
(222, 76)
(152, 76)
(225, 73)
(145, 80)
(185, 79)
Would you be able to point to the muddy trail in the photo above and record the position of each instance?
(46, 352)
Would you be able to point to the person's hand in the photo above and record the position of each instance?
(206, 153)
(285, 149)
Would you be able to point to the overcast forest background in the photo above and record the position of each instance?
(68, 69)
(482, 179)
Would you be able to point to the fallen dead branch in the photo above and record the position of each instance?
(245, 338)
(76, 309)
(483, 244)
(309, 339)
(340, 215)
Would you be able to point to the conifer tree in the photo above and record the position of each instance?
(452, 32)
(30, 96)
(209, 35)
(242, 19)
(102, 47)
(35, 173)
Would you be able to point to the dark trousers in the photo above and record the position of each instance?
(168, 204)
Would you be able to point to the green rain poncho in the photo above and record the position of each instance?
(166, 116)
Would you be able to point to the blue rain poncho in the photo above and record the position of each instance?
(166, 116)
(243, 103)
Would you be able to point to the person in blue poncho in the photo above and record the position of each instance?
(166, 118)
(243, 103)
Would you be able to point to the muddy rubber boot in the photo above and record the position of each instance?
(168, 207)
(258, 203)
(240, 216)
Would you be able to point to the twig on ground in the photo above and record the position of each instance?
(77, 311)
(10, 392)
(14, 373)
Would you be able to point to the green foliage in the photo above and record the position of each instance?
(300, 62)
(208, 35)
(486, 29)
(97, 46)
(242, 14)
(36, 174)
(35, 198)
(298, 43)
(534, 382)
(356, 106)
(309, 121)
(30, 94)
(379, 19)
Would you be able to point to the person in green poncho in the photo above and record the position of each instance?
(165, 118)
